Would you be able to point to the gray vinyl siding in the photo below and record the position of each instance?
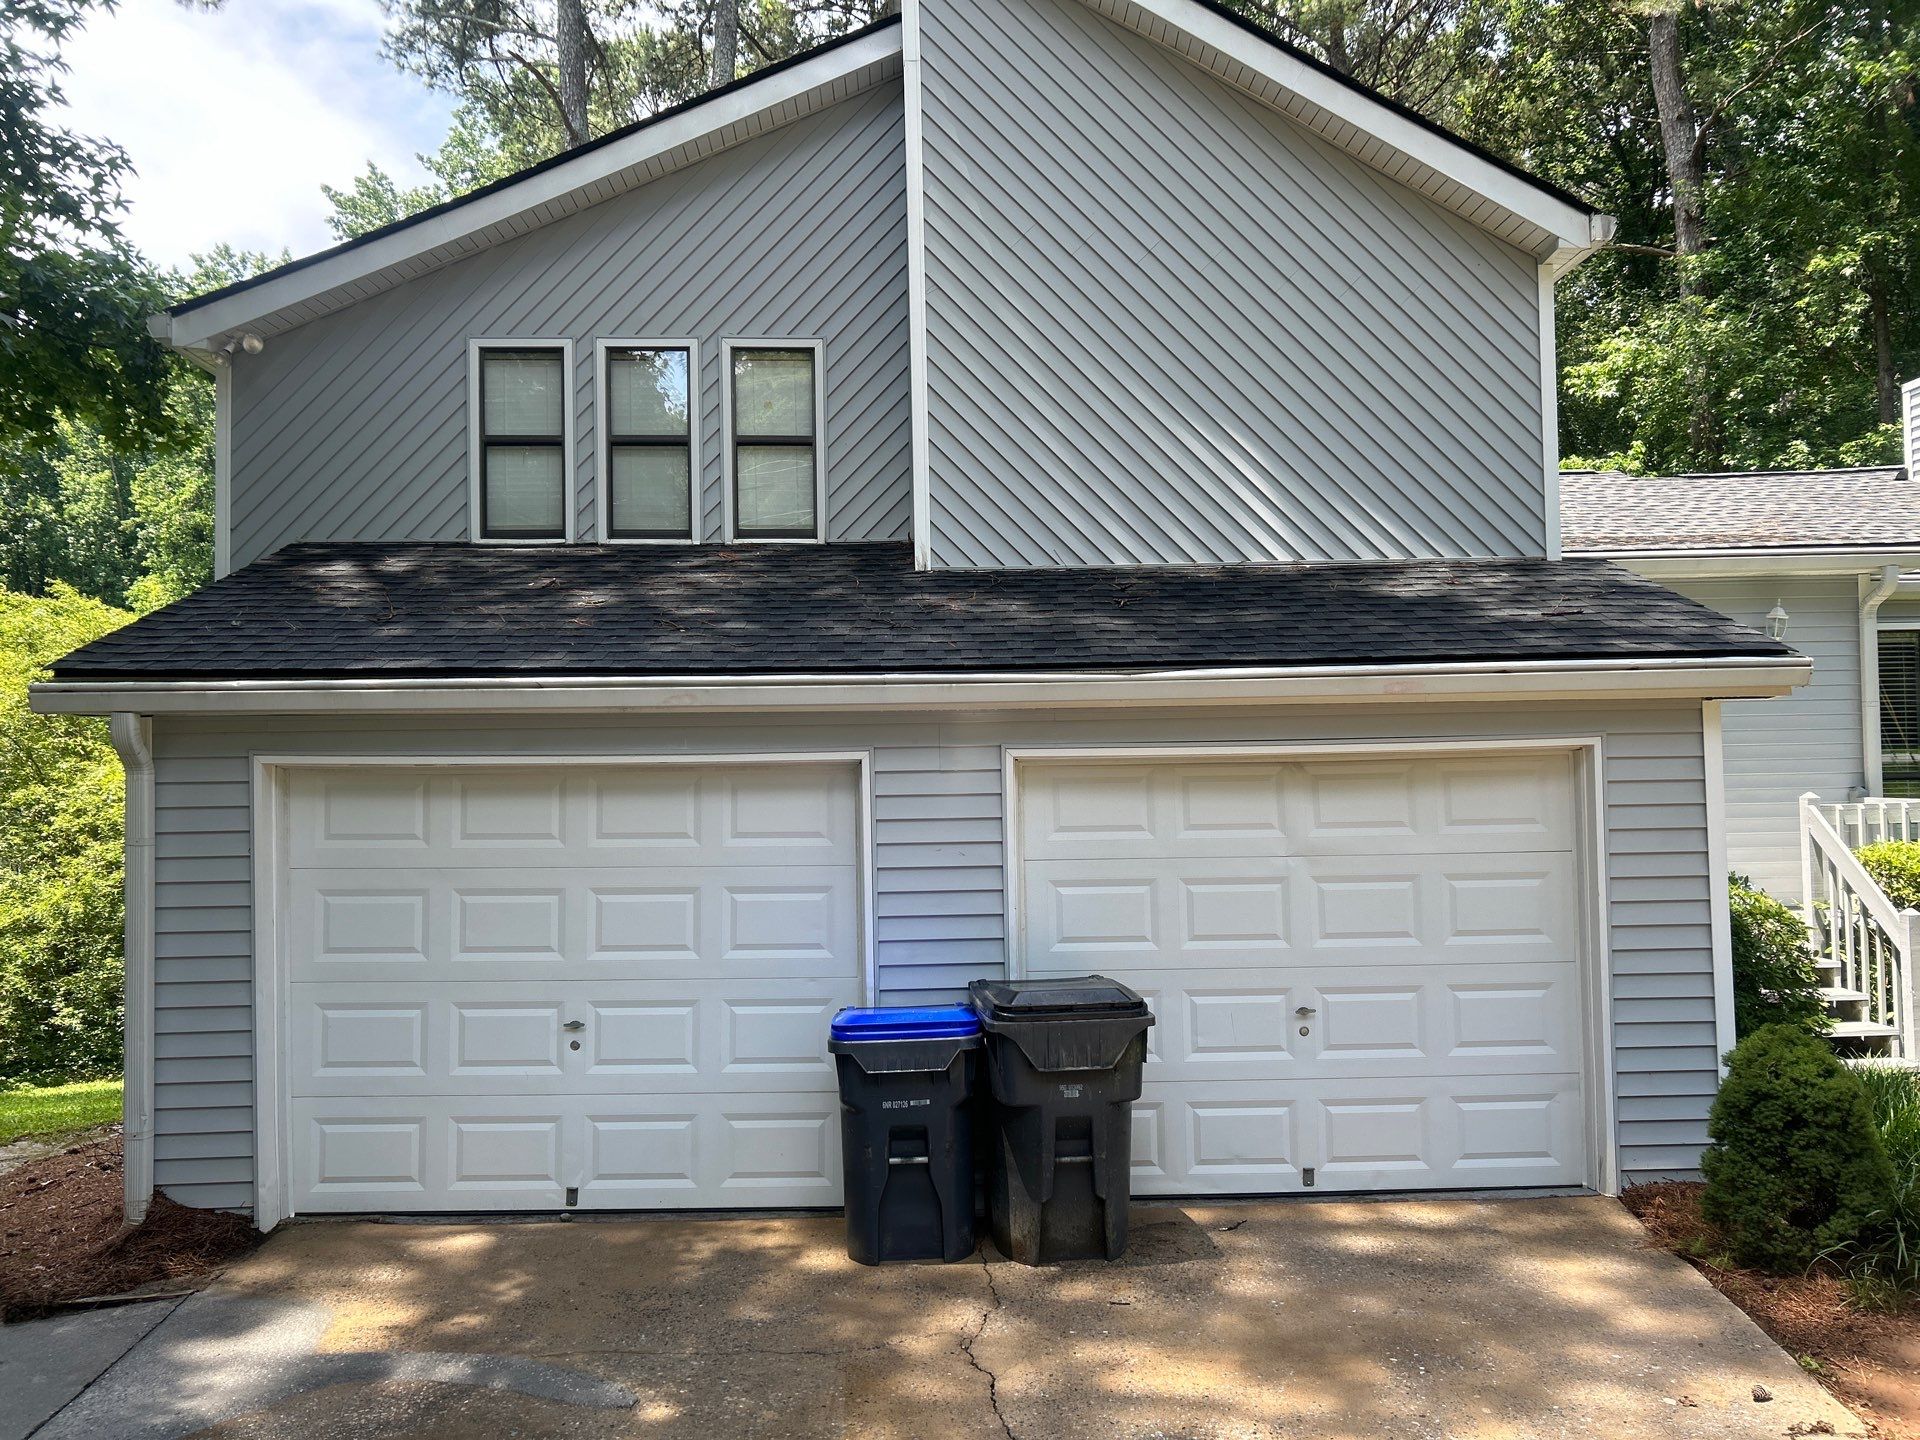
(1165, 324)
(354, 427)
(1777, 750)
(939, 859)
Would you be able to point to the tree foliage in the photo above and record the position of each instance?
(1774, 980)
(60, 861)
(74, 296)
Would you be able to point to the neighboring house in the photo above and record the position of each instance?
(810, 547)
(1823, 553)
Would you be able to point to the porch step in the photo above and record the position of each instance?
(1862, 1030)
(1840, 995)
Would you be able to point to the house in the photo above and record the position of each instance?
(1034, 485)
(1823, 552)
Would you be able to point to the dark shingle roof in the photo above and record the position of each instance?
(1741, 510)
(420, 610)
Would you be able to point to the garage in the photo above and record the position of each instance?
(1368, 973)
(536, 986)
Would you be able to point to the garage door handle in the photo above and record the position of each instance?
(1306, 1010)
(574, 1025)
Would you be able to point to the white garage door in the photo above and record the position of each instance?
(505, 985)
(1366, 970)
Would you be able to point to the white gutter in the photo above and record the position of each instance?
(1703, 564)
(1737, 677)
(1870, 605)
(133, 738)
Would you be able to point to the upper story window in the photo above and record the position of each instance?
(774, 471)
(523, 439)
(650, 462)
(1900, 711)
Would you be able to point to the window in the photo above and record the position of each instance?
(774, 447)
(522, 439)
(1900, 711)
(649, 462)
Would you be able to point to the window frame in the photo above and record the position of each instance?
(477, 440)
(1908, 632)
(730, 442)
(603, 459)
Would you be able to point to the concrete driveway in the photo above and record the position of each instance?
(1522, 1318)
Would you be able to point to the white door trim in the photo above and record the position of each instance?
(271, 1103)
(1596, 962)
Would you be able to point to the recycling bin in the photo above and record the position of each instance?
(906, 1130)
(1063, 1059)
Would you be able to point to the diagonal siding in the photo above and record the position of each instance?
(1164, 324)
(355, 426)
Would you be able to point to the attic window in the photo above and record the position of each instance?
(773, 445)
(522, 440)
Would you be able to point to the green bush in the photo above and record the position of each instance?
(60, 861)
(1774, 982)
(1894, 1092)
(1795, 1168)
(1896, 865)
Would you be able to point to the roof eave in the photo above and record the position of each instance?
(1702, 562)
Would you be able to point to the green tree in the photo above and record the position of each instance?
(60, 863)
(74, 296)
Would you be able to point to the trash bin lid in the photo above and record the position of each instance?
(1077, 996)
(906, 1022)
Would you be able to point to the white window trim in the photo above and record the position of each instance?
(603, 430)
(774, 342)
(569, 447)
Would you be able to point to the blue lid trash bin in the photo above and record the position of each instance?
(1062, 1061)
(906, 1130)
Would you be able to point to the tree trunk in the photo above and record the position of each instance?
(1679, 137)
(1886, 378)
(726, 41)
(571, 41)
(1338, 55)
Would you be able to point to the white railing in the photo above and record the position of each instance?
(1872, 943)
(1867, 822)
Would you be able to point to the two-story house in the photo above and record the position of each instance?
(1034, 486)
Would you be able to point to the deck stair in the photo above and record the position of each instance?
(1866, 949)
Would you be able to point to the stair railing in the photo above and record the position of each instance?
(1872, 943)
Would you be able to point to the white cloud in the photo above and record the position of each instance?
(233, 118)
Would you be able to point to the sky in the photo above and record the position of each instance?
(234, 118)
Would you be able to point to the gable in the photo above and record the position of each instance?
(1163, 323)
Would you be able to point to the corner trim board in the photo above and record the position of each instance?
(133, 740)
(1720, 904)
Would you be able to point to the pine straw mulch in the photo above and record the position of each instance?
(62, 1237)
(1871, 1361)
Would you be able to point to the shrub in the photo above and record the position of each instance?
(1894, 1093)
(1896, 865)
(60, 862)
(1796, 1168)
(1774, 982)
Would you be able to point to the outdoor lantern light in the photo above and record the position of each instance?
(1777, 621)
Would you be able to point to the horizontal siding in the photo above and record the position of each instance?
(1186, 329)
(354, 427)
(1777, 750)
(940, 913)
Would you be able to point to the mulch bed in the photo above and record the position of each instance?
(1871, 1361)
(63, 1238)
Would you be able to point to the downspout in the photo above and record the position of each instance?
(133, 738)
(1870, 675)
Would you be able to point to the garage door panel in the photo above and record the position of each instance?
(1260, 1136)
(507, 1038)
(513, 1152)
(552, 816)
(1413, 806)
(1330, 910)
(445, 925)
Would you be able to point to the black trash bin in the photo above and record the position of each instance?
(1063, 1060)
(906, 1074)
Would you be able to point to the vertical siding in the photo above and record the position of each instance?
(939, 835)
(354, 427)
(1777, 750)
(1165, 324)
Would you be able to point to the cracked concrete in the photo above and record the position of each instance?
(1439, 1318)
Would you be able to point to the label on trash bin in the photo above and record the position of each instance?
(904, 1104)
(1070, 1092)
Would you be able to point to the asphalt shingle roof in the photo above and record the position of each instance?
(1756, 510)
(420, 610)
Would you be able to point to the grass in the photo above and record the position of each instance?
(1895, 1092)
(57, 1109)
